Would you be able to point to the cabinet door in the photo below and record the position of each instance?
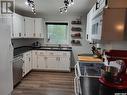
(41, 62)
(27, 62)
(114, 25)
(34, 60)
(29, 27)
(89, 26)
(52, 63)
(64, 63)
(38, 27)
(18, 26)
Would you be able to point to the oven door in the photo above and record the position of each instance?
(97, 28)
(77, 86)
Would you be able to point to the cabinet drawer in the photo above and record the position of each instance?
(41, 52)
(52, 53)
(62, 53)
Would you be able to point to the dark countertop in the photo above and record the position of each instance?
(92, 86)
(24, 49)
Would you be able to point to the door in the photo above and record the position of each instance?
(29, 27)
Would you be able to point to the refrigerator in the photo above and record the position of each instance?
(6, 58)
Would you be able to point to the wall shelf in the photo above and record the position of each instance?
(76, 22)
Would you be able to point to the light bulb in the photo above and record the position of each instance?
(35, 13)
(69, 5)
(66, 10)
(72, 3)
(26, 3)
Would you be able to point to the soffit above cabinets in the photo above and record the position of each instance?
(51, 7)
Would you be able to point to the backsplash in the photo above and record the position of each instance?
(25, 42)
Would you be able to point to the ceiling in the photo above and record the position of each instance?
(51, 7)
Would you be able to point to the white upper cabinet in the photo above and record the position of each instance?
(29, 27)
(18, 26)
(114, 25)
(38, 24)
(89, 26)
(107, 18)
(26, 27)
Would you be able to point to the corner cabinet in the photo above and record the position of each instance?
(26, 27)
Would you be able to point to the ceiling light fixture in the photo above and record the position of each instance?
(67, 3)
(31, 4)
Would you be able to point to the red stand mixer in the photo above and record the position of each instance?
(114, 55)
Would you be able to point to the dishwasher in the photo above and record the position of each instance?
(17, 69)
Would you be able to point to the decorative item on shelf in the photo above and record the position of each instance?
(76, 29)
(77, 21)
(31, 4)
(76, 42)
(76, 35)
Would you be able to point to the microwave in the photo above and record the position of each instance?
(96, 27)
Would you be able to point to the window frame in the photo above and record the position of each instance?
(59, 23)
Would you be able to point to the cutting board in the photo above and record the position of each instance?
(89, 59)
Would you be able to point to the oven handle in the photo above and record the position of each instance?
(77, 86)
(77, 70)
(76, 73)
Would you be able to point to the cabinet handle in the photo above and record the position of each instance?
(87, 36)
(19, 34)
(34, 34)
(29, 59)
(24, 34)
